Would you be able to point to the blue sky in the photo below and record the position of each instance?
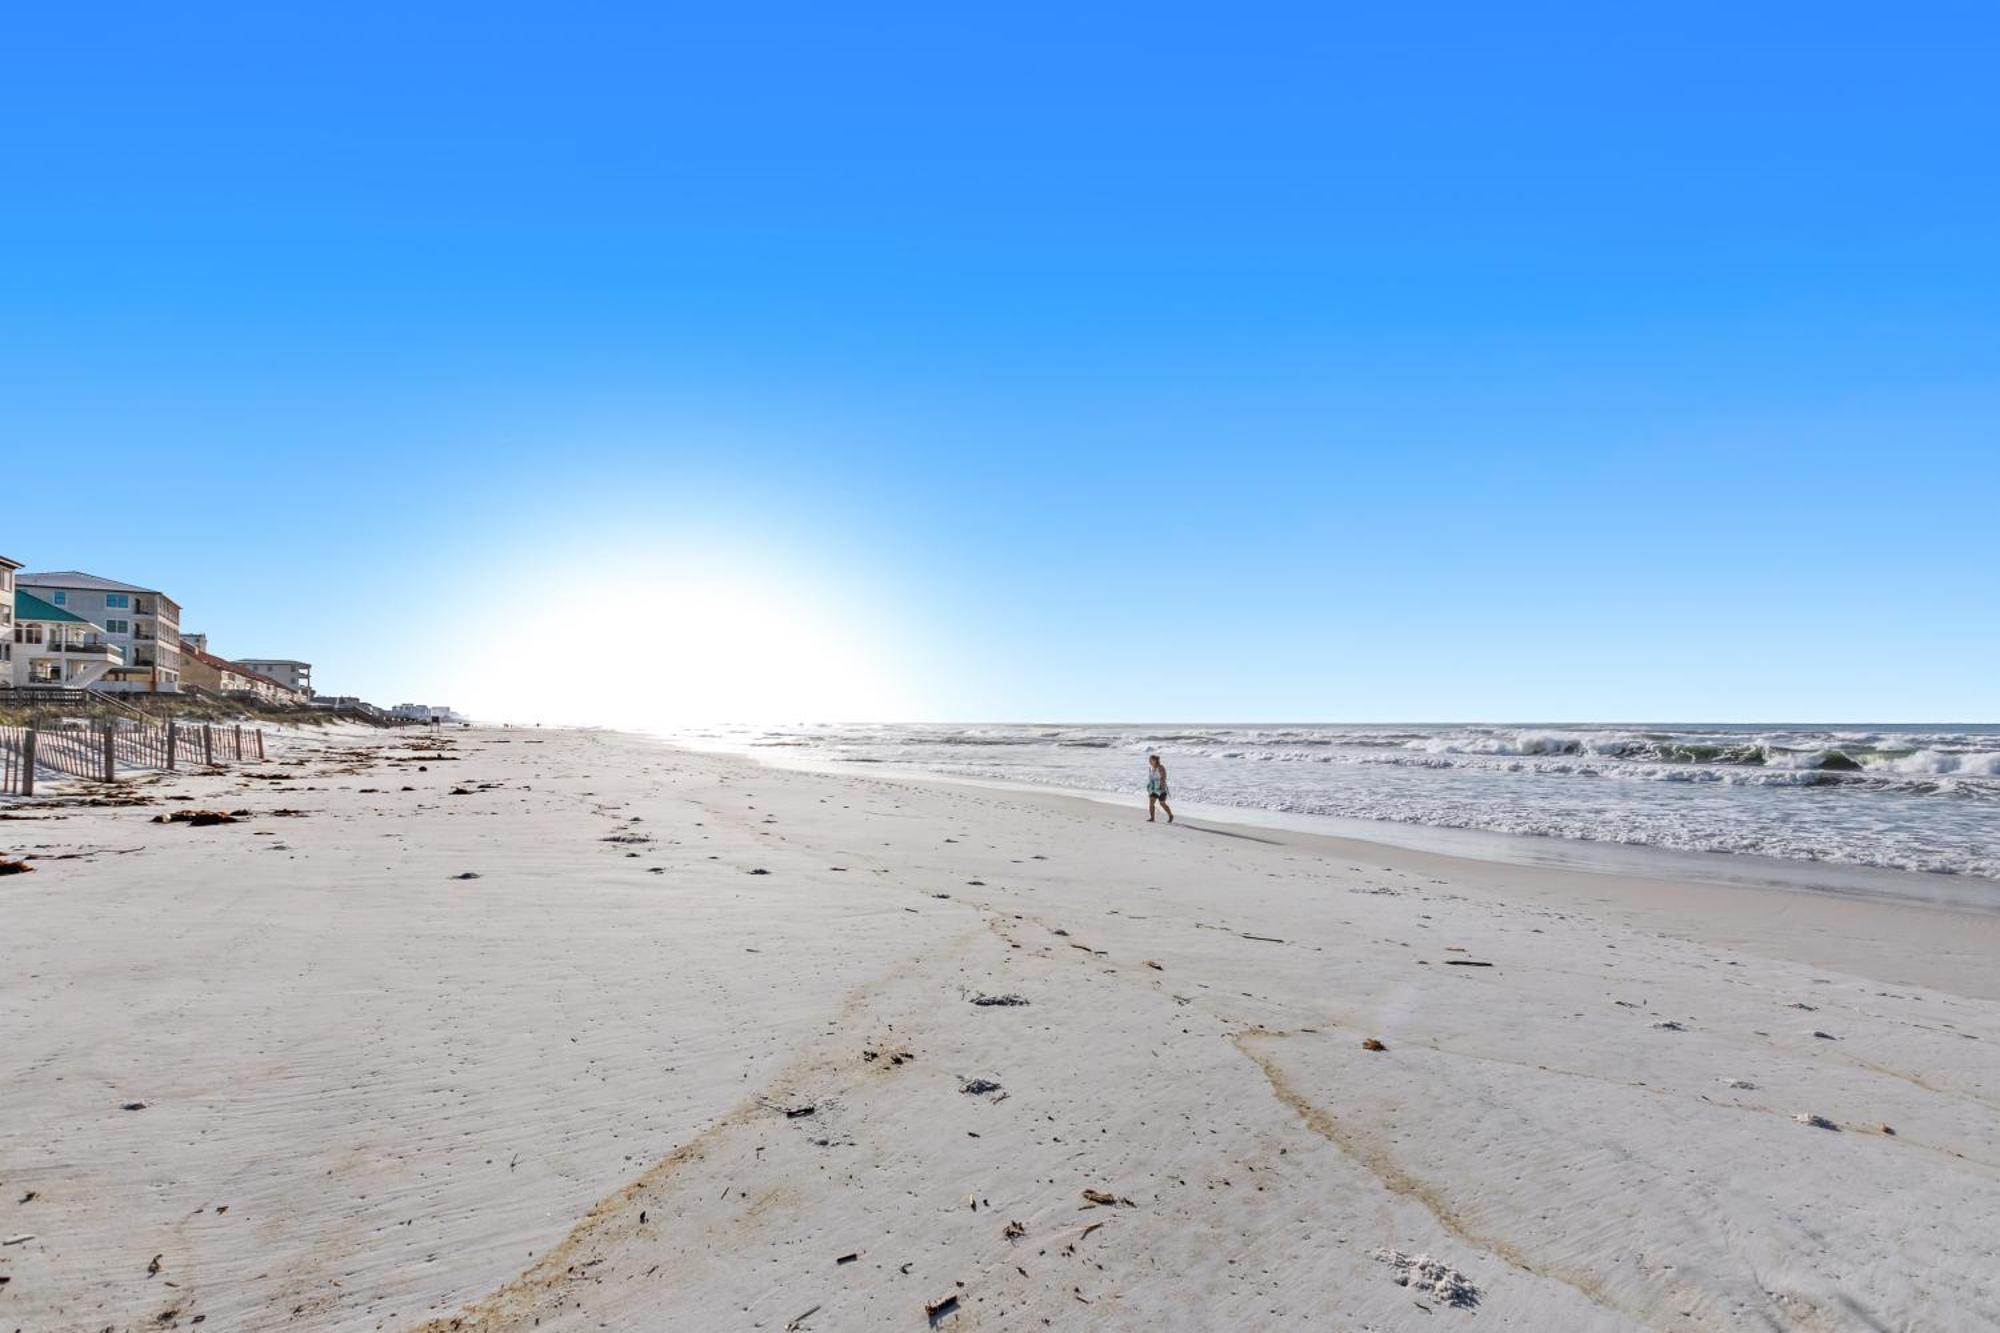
(1227, 362)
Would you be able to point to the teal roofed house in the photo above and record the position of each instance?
(50, 646)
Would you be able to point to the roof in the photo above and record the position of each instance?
(274, 661)
(219, 663)
(224, 664)
(76, 578)
(27, 606)
(11, 564)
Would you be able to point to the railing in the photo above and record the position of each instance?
(107, 699)
(99, 751)
(43, 695)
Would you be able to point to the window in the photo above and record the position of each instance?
(116, 601)
(58, 598)
(28, 633)
(117, 627)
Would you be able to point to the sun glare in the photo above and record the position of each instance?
(672, 646)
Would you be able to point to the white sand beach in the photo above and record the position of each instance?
(573, 1030)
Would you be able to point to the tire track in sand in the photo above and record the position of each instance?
(1378, 1163)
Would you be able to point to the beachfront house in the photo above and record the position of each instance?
(294, 675)
(202, 670)
(54, 648)
(144, 624)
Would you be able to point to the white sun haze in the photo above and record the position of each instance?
(690, 641)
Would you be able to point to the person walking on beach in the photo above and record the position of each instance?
(1156, 788)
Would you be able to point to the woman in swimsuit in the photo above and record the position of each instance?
(1156, 788)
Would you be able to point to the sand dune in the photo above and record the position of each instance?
(695, 1047)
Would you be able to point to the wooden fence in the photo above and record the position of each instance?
(99, 751)
(14, 759)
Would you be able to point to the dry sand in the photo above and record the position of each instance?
(622, 1079)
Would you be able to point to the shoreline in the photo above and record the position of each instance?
(1866, 810)
(1965, 891)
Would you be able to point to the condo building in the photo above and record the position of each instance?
(143, 624)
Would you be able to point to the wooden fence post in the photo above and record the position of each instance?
(260, 743)
(173, 737)
(239, 742)
(110, 755)
(207, 745)
(28, 763)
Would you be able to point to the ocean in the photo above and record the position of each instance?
(1913, 798)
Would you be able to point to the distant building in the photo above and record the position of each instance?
(424, 713)
(49, 646)
(294, 675)
(351, 704)
(203, 670)
(144, 624)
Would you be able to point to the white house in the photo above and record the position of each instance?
(424, 713)
(144, 624)
(54, 647)
(288, 672)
